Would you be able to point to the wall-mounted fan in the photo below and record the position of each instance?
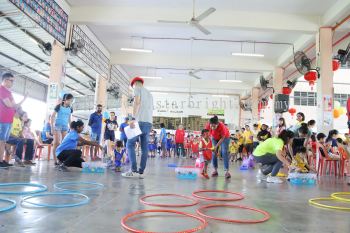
(92, 85)
(344, 56)
(303, 63)
(245, 105)
(291, 84)
(75, 47)
(46, 48)
(264, 83)
(194, 21)
(114, 90)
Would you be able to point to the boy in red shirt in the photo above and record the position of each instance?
(206, 146)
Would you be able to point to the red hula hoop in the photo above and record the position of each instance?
(194, 201)
(240, 196)
(265, 218)
(130, 229)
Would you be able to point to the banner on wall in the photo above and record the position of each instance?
(181, 105)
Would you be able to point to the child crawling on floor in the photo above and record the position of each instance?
(119, 156)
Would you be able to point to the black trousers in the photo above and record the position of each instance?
(71, 158)
(180, 151)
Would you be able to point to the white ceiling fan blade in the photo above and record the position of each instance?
(172, 21)
(196, 71)
(194, 76)
(201, 28)
(205, 14)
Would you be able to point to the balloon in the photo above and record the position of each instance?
(105, 114)
(336, 104)
(342, 110)
(336, 113)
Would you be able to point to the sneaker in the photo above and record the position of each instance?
(129, 174)
(63, 168)
(261, 176)
(274, 179)
(3, 166)
(7, 164)
(118, 169)
(227, 175)
(205, 175)
(19, 164)
(141, 176)
(214, 174)
(28, 162)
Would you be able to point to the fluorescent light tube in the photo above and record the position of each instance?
(136, 50)
(248, 54)
(150, 77)
(230, 81)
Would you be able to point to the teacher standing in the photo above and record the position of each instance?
(221, 139)
(143, 113)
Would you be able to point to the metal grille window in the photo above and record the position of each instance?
(342, 98)
(305, 98)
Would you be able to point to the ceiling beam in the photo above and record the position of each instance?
(198, 62)
(249, 20)
(337, 11)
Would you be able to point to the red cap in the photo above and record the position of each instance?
(135, 80)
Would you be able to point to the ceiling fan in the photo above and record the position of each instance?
(191, 73)
(194, 21)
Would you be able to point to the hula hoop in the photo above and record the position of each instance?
(130, 229)
(194, 201)
(10, 207)
(41, 188)
(240, 196)
(60, 186)
(83, 202)
(265, 218)
(314, 201)
(335, 196)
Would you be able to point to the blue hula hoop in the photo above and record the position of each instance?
(60, 186)
(10, 207)
(41, 188)
(83, 202)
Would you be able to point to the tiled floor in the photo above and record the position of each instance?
(287, 204)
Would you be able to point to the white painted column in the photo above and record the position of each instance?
(255, 102)
(325, 83)
(57, 75)
(101, 91)
(277, 85)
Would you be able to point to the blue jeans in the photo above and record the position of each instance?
(224, 153)
(20, 142)
(130, 145)
(272, 160)
(5, 129)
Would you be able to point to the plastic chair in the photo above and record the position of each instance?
(39, 148)
(326, 162)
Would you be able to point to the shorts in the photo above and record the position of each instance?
(109, 136)
(240, 149)
(95, 137)
(48, 141)
(61, 128)
(5, 129)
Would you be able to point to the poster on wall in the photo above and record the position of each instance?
(47, 14)
(327, 110)
(53, 91)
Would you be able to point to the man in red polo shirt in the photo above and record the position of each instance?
(221, 139)
(7, 111)
(179, 140)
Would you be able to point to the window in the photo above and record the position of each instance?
(305, 98)
(342, 98)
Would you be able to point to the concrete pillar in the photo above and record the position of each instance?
(277, 85)
(325, 83)
(255, 102)
(101, 91)
(57, 75)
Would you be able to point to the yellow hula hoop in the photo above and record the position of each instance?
(314, 202)
(335, 196)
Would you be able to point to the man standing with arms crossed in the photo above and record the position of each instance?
(142, 113)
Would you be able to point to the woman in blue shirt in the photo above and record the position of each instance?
(67, 152)
(60, 119)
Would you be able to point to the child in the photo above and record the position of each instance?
(168, 144)
(120, 154)
(233, 149)
(195, 148)
(324, 148)
(300, 162)
(206, 146)
(152, 146)
(187, 145)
